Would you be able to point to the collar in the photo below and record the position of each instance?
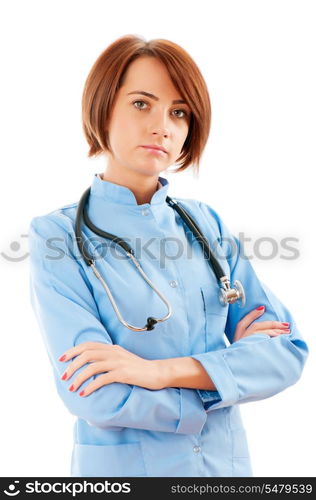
(99, 176)
(122, 195)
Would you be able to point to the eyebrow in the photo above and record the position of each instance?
(176, 101)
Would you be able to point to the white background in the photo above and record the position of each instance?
(257, 171)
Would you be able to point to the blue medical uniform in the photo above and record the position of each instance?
(125, 430)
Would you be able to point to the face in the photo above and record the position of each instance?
(137, 120)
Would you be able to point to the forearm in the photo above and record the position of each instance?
(184, 372)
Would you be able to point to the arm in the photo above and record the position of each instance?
(184, 372)
(62, 299)
(254, 367)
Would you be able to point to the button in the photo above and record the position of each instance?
(173, 284)
(196, 449)
(145, 211)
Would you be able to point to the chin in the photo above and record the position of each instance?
(150, 171)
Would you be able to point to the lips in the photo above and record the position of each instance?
(154, 146)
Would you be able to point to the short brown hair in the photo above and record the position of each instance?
(107, 75)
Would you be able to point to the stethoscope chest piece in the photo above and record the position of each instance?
(228, 295)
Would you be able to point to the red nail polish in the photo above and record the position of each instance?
(260, 308)
(286, 324)
(62, 358)
(71, 388)
(81, 393)
(64, 376)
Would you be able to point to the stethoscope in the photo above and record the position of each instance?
(227, 295)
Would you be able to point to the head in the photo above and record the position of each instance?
(139, 93)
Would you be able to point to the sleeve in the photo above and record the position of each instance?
(258, 366)
(63, 302)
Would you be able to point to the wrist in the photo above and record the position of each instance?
(185, 372)
(163, 372)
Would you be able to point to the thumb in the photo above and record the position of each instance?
(252, 316)
(256, 313)
(260, 309)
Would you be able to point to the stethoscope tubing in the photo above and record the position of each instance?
(226, 293)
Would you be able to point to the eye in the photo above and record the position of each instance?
(135, 102)
(182, 111)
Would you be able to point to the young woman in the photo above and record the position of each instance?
(159, 398)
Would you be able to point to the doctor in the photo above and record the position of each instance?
(163, 402)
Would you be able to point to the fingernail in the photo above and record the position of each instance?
(286, 324)
(71, 388)
(81, 393)
(62, 358)
(260, 308)
(64, 376)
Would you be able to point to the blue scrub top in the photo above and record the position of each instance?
(124, 430)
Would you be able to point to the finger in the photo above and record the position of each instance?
(89, 356)
(105, 379)
(250, 317)
(274, 333)
(78, 349)
(270, 324)
(90, 371)
(271, 333)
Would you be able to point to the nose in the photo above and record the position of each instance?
(159, 126)
(160, 131)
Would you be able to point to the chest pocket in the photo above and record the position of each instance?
(215, 318)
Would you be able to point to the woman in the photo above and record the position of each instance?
(163, 401)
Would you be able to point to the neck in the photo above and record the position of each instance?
(142, 187)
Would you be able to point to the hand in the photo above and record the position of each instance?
(271, 328)
(116, 363)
